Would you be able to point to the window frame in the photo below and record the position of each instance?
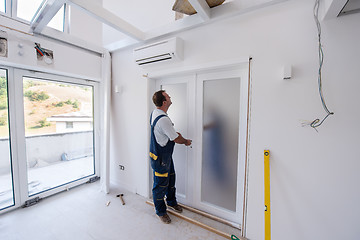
(17, 132)
(11, 11)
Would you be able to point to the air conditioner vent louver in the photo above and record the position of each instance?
(158, 58)
(164, 51)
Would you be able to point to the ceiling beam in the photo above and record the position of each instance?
(202, 8)
(44, 14)
(107, 17)
(332, 8)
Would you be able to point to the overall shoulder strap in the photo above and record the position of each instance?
(157, 119)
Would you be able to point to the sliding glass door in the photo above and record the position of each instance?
(47, 134)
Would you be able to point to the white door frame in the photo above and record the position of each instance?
(14, 145)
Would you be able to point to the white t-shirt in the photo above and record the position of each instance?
(164, 128)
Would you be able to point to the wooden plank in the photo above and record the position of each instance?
(202, 225)
(208, 215)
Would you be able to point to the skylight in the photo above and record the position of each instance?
(26, 10)
(58, 20)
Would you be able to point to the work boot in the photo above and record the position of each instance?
(176, 208)
(165, 218)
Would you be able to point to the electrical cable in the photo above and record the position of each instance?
(316, 123)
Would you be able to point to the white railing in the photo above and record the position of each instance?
(46, 149)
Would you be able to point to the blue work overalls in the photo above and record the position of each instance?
(163, 170)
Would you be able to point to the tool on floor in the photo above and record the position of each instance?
(267, 194)
(121, 198)
(108, 203)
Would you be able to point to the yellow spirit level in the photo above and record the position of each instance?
(267, 194)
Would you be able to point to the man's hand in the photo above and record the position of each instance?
(181, 140)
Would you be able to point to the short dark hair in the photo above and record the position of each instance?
(159, 98)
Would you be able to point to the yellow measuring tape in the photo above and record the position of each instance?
(267, 194)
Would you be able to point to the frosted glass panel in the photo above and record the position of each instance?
(177, 113)
(220, 142)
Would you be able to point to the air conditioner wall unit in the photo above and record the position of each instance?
(164, 51)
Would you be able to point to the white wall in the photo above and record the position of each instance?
(85, 27)
(314, 175)
(73, 144)
(129, 141)
(77, 126)
(68, 60)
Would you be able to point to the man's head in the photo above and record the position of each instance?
(162, 100)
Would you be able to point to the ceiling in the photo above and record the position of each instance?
(127, 23)
(131, 22)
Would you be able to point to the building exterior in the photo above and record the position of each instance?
(72, 122)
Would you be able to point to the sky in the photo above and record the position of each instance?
(2, 73)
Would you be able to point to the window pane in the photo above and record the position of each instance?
(220, 142)
(56, 154)
(2, 5)
(26, 9)
(6, 184)
(58, 20)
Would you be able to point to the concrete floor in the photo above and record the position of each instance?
(82, 213)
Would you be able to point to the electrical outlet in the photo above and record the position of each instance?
(122, 167)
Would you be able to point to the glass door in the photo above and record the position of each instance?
(6, 170)
(56, 120)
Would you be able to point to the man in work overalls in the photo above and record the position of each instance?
(162, 141)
